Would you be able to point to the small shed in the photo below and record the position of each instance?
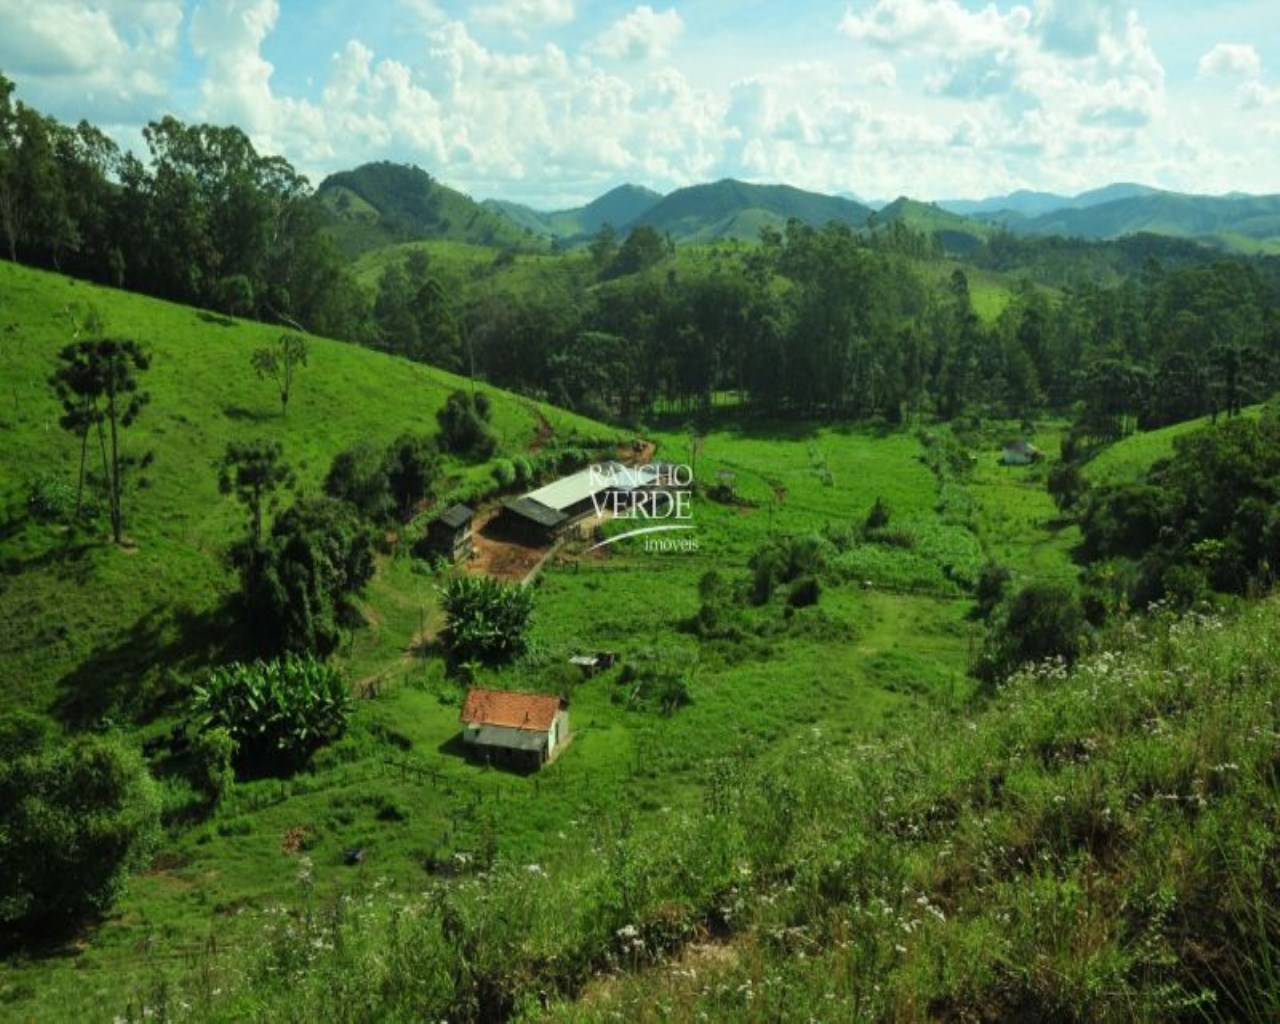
(521, 730)
(1020, 453)
(449, 533)
(590, 664)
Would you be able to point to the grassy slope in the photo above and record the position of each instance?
(846, 670)
(1127, 459)
(78, 614)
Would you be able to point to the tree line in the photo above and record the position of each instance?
(811, 321)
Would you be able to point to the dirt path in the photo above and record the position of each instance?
(497, 555)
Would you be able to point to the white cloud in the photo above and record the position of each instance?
(115, 53)
(525, 15)
(1255, 95)
(640, 35)
(934, 24)
(1231, 59)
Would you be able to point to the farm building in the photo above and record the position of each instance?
(522, 730)
(1020, 453)
(449, 533)
(544, 514)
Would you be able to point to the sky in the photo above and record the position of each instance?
(553, 102)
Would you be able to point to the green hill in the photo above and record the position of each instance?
(382, 203)
(1165, 213)
(81, 615)
(619, 206)
(959, 235)
(736, 209)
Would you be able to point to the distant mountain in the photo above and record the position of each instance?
(736, 209)
(1232, 223)
(1025, 203)
(959, 235)
(383, 203)
(618, 207)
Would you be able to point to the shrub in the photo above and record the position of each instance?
(275, 712)
(211, 755)
(76, 817)
(989, 591)
(464, 426)
(50, 498)
(1044, 621)
(804, 592)
(359, 476)
(504, 473)
(877, 517)
(486, 619)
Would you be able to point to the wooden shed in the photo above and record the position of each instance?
(449, 533)
(520, 730)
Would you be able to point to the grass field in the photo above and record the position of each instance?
(92, 631)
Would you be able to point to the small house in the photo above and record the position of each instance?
(520, 730)
(1020, 453)
(449, 533)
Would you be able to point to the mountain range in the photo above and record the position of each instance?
(382, 203)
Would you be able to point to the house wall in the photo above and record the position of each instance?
(559, 733)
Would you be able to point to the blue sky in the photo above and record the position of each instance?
(552, 102)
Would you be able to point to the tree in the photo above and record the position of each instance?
(253, 472)
(486, 619)
(358, 476)
(411, 466)
(464, 426)
(76, 817)
(98, 388)
(80, 398)
(281, 364)
(319, 555)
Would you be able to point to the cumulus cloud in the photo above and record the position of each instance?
(934, 24)
(640, 35)
(523, 16)
(116, 53)
(1230, 59)
(1255, 95)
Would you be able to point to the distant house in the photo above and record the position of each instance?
(544, 514)
(449, 533)
(521, 730)
(1020, 453)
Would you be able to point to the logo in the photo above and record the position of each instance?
(657, 497)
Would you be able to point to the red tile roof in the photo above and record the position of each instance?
(535, 711)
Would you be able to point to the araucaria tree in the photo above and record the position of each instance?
(253, 471)
(97, 384)
(280, 363)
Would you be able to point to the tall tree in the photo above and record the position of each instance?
(253, 471)
(281, 363)
(99, 384)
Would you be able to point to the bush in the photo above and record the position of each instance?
(486, 619)
(464, 426)
(1044, 621)
(804, 592)
(877, 517)
(989, 591)
(211, 755)
(275, 712)
(50, 499)
(76, 817)
(504, 473)
(359, 476)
